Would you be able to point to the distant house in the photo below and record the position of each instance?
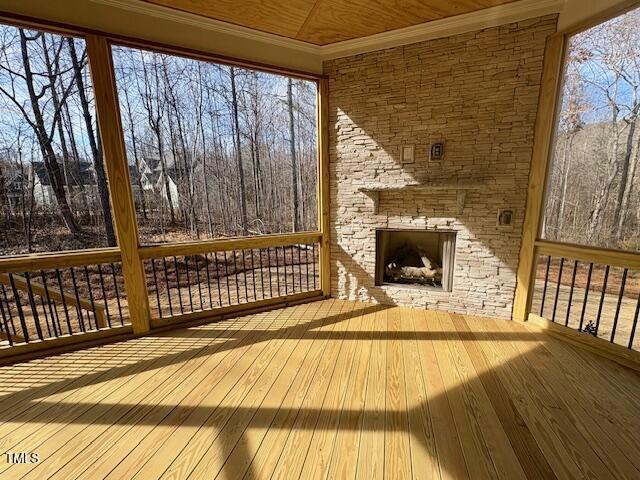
(152, 179)
(11, 184)
(77, 177)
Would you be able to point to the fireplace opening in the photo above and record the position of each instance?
(419, 258)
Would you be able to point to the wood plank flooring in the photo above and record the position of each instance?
(331, 389)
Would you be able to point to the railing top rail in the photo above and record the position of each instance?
(604, 256)
(226, 244)
(37, 261)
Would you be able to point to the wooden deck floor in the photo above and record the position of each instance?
(330, 389)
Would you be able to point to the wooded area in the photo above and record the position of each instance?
(213, 150)
(592, 195)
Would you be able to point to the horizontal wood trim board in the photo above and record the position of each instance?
(227, 244)
(615, 258)
(81, 31)
(56, 346)
(222, 312)
(617, 353)
(43, 261)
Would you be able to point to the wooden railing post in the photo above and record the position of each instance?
(323, 186)
(117, 169)
(544, 129)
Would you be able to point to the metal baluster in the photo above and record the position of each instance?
(261, 272)
(215, 258)
(604, 291)
(115, 285)
(615, 318)
(93, 303)
(253, 276)
(64, 302)
(34, 308)
(226, 271)
(195, 260)
(544, 289)
(573, 282)
(555, 302)
(46, 316)
(104, 295)
(277, 270)
(5, 323)
(306, 263)
(635, 322)
(284, 261)
(235, 271)
(155, 282)
(16, 299)
(10, 315)
(586, 297)
(244, 271)
(186, 264)
(293, 272)
(166, 281)
(175, 266)
(206, 263)
(314, 266)
(269, 269)
(80, 317)
(299, 269)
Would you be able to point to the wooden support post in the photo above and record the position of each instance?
(323, 185)
(544, 131)
(115, 159)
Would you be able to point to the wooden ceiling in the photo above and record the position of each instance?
(323, 22)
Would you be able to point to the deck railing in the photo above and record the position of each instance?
(51, 300)
(593, 291)
(196, 280)
(46, 297)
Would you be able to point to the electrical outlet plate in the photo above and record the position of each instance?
(505, 218)
(437, 151)
(408, 154)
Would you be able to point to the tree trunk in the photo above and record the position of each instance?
(96, 150)
(165, 174)
(602, 197)
(564, 185)
(620, 212)
(294, 161)
(136, 158)
(236, 128)
(48, 155)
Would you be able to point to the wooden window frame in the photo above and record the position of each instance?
(131, 252)
(549, 103)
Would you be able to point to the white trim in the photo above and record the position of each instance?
(468, 22)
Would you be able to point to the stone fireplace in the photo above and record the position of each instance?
(476, 94)
(416, 258)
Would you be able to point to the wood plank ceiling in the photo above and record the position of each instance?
(323, 22)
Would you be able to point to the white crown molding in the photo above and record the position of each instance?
(468, 22)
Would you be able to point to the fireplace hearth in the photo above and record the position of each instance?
(417, 258)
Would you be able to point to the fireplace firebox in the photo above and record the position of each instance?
(417, 258)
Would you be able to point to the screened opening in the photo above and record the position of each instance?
(593, 194)
(53, 188)
(216, 150)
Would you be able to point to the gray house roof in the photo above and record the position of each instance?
(79, 174)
